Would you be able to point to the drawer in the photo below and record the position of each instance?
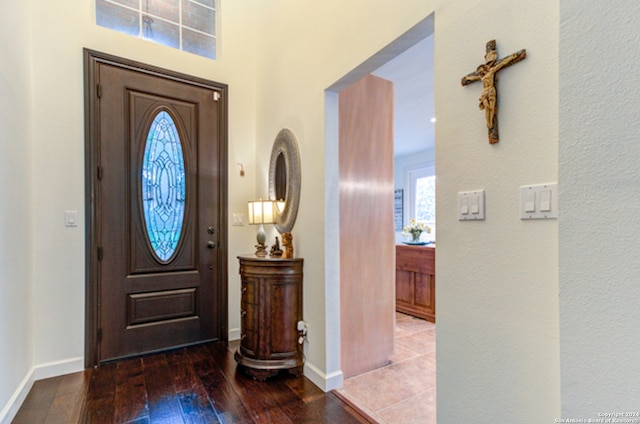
(415, 259)
(248, 291)
(248, 316)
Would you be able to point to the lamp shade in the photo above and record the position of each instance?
(261, 212)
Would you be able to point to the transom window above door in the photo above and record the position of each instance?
(188, 25)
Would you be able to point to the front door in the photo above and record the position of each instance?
(157, 215)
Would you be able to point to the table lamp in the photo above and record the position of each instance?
(261, 212)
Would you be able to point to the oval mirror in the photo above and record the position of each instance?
(284, 179)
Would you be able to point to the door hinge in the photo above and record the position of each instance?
(100, 253)
(216, 96)
(99, 335)
(99, 90)
(99, 172)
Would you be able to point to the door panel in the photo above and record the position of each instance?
(150, 298)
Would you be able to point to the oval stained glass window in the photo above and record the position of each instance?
(163, 186)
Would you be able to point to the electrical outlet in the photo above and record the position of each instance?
(303, 328)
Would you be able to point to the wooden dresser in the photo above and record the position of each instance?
(271, 306)
(416, 281)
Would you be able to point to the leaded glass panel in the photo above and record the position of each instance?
(163, 186)
(188, 25)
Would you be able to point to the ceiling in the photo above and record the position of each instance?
(412, 75)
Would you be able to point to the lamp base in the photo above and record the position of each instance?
(261, 250)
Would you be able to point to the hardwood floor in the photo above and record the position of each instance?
(193, 385)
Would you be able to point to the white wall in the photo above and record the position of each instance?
(497, 292)
(16, 349)
(599, 232)
(403, 163)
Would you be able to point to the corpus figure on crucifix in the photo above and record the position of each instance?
(487, 73)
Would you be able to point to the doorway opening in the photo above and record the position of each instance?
(416, 35)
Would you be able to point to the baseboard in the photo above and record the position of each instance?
(234, 334)
(313, 373)
(10, 410)
(326, 382)
(39, 372)
(54, 369)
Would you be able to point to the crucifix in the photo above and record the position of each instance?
(487, 73)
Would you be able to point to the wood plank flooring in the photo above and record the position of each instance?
(199, 384)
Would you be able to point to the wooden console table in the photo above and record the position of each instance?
(416, 281)
(271, 306)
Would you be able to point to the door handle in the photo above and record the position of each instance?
(211, 244)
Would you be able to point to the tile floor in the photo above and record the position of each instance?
(405, 390)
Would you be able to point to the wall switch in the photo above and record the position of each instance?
(471, 205)
(530, 201)
(539, 201)
(463, 206)
(545, 201)
(70, 218)
(238, 220)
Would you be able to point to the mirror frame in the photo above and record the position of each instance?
(286, 145)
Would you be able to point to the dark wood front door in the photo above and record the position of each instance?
(157, 220)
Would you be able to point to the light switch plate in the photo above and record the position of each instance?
(539, 201)
(238, 220)
(471, 205)
(70, 218)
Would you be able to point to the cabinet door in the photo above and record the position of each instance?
(425, 292)
(404, 287)
(284, 310)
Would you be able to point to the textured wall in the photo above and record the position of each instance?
(599, 223)
(497, 280)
